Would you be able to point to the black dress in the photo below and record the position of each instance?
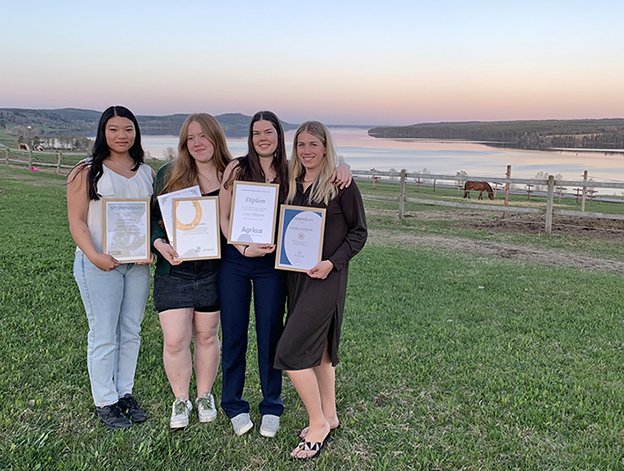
(316, 307)
(193, 283)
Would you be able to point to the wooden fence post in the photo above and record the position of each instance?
(58, 163)
(402, 195)
(6, 154)
(584, 192)
(507, 186)
(549, 203)
(29, 158)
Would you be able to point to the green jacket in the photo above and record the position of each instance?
(163, 267)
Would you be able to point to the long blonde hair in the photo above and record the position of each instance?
(323, 191)
(184, 170)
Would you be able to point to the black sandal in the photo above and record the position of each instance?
(312, 446)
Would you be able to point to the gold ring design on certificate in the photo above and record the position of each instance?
(195, 222)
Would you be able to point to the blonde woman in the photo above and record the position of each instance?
(308, 348)
(185, 293)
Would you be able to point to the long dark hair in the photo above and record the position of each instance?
(249, 168)
(101, 151)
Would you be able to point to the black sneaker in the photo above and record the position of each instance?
(112, 417)
(131, 409)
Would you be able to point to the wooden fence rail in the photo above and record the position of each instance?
(30, 155)
(549, 183)
(403, 175)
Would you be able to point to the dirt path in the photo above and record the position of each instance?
(608, 230)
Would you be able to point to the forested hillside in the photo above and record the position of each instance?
(77, 122)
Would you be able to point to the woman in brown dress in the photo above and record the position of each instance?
(308, 348)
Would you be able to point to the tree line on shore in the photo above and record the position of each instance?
(535, 135)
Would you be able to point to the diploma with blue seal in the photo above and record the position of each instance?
(300, 237)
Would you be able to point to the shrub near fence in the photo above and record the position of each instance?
(550, 183)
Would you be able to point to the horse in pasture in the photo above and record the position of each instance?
(480, 187)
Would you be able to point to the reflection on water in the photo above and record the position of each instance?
(363, 152)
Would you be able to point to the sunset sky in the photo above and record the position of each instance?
(341, 62)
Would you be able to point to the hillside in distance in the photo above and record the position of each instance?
(78, 122)
(535, 135)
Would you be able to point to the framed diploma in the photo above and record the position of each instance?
(125, 227)
(300, 237)
(196, 232)
(166, 207)
(253, 213)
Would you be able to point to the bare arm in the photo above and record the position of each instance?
(77, 213)
(150, 260)
(225, 198)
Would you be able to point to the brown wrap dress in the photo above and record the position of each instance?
(316, 307)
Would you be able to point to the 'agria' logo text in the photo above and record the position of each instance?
(253, 230)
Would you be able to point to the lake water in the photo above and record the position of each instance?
(363, 152)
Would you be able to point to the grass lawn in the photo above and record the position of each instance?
(448, 361)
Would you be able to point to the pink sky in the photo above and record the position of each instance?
(339, 62)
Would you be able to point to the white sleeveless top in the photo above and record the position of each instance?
(113, 185)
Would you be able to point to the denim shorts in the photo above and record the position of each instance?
(191, 284)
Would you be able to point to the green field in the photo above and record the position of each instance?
(448, 361)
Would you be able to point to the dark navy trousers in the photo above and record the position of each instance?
(238, 275)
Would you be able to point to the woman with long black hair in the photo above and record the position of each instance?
(245, 267)
(113, 293)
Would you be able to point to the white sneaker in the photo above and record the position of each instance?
(242, 424)
(206, 409)
(270, 425)
(180, 413)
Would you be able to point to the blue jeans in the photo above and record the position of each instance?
(237, 276)
(115, 304)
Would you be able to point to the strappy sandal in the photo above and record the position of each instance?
(312, 446)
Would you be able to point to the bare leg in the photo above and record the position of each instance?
(307, 386)
(177, 327)
(326, 378)
(207, 349)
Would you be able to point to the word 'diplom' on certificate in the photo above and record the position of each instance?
(125, 226)
(300, 238)
(196, 232)
(253, 213)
